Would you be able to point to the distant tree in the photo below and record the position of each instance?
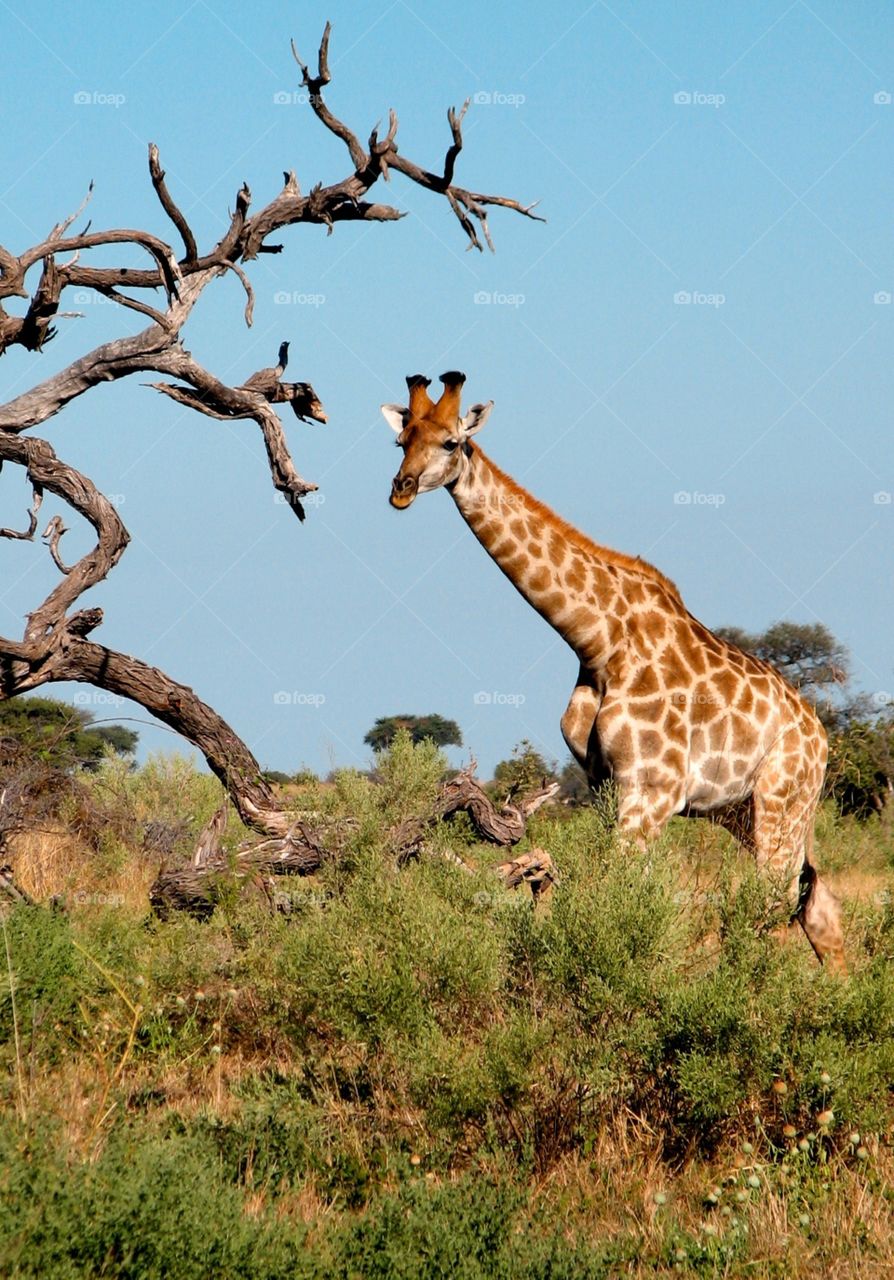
(575, 789)
(60, 735)
(806, 653)
(525, 770)
(304, 777)
(443, 733)
(277, 777)
(860, 773)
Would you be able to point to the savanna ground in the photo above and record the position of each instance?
(416, 1074)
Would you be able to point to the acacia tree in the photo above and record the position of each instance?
(806, 653)
(56, 643)
(442, 732)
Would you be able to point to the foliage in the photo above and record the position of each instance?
(525, 770)
(62, 736)
(443, 733)
(277, 777)
(860, 774)
(574, 789)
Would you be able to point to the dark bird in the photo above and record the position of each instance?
(266, 381)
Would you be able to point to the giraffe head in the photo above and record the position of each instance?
(434, 437)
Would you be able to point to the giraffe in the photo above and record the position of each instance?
(682, 721)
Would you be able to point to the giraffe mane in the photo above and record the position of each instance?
(620, 559)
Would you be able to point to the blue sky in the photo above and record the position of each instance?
(738, 156)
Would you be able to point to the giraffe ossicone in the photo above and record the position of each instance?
(681, 720)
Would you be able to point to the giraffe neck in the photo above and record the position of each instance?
(583, 590)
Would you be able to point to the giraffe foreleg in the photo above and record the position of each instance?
(644, 809)
(578, 726)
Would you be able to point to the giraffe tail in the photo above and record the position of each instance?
(806, 888)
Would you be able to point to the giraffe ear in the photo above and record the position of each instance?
(476, 418)
(396, 416)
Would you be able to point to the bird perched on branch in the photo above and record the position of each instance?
(266, 381)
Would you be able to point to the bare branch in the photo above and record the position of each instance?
(249, 292)
(134, 304)
(176, 705)
(52, 536)
(286, 479)
(157, 174)
(170, 274)
(29, 533)
(193, 400)
(61, 227)
(455, 121)
(47, 472)
(314, 85)
(459, 198)
(216, 400)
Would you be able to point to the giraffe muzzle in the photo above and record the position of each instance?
(403, 491)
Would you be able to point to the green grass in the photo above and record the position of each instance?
(417, 1074)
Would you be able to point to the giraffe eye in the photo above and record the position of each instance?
(450, 445)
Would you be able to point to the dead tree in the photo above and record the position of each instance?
(196, 889)
(57, 644)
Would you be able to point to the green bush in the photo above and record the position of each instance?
(41, 978)
(147, 1209)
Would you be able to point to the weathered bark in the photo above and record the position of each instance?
(54, 645)
(464, 794)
